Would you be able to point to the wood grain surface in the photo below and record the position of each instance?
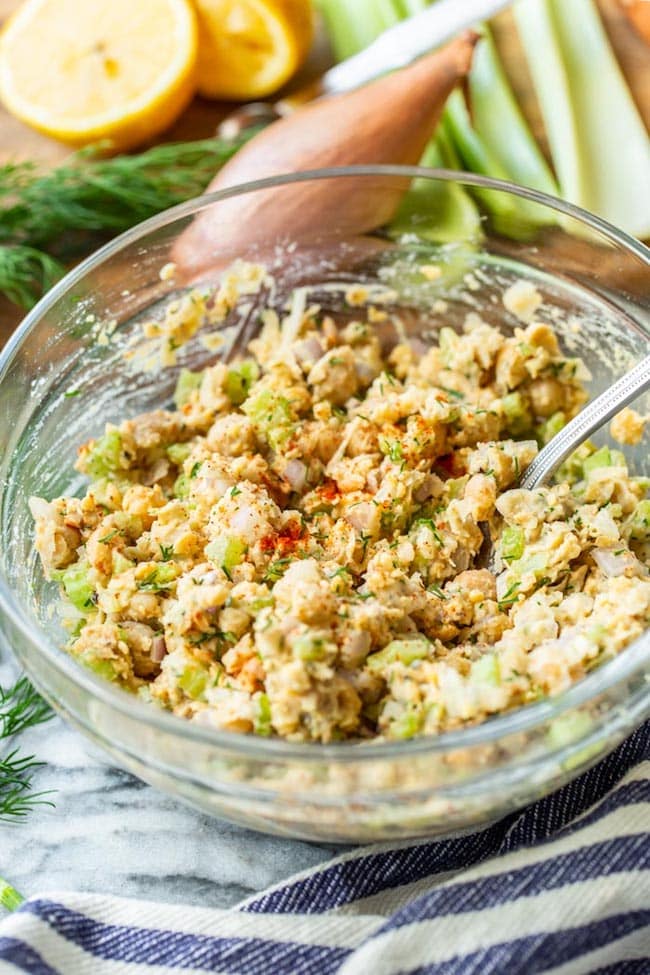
(17, 141)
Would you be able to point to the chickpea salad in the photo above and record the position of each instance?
(295, 548)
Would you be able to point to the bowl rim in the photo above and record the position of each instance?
(512, 722)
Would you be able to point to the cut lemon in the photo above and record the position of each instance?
(250, 48)
(89, 70)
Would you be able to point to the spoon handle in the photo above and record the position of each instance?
(592, 418)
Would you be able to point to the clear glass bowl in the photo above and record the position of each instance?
(75, 339)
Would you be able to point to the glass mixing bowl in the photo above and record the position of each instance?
(594, 284)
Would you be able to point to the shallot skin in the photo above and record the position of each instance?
(389, 121)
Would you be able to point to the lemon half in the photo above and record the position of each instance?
(250, 48)
(89, 70)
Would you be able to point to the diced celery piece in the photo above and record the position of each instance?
(434, 712)
(602, 458)
(512, 542)
(272, 415)
(572, 468)
(517, 413)
(226, 552)
(407, 725)
(240, 379)
(552, 426)
(159, 578)
(486, 670)
(77, 585)
(639, 523)
(104, 458)
(262, 721)
(182, 486)
(455, 486)
(404, 651)
(308, 647)
(535, 564)
(569, 728)
(186, 383)
(120, 563)
(178, 452)
(597, 634)
(447, 340)
(193, 681)
(99, 665)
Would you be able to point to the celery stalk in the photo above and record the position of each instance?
(440, 212)
(479, 158)
(414, 6)
(600, 148)
(351, 26)
(499, 122)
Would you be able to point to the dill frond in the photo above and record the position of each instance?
(26, 273)
(65, 209)
(21, 707)
(61, 214)
(17, 798)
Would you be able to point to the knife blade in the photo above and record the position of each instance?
(408, 40)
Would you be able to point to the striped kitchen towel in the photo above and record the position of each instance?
(562, 886)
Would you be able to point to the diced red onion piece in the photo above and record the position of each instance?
(210, 578)
(157, 471)
(461, 559)
(613, 565)
(245, 522)
(418, 346)
(431, 487)
(308, 351)
(357, 647)
(158, 649)
(365, 371)
(296, 474)
(215, 484)
(361, 516)
(373, 481)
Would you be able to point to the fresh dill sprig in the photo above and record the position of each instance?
(17, 797)
(65, 209)
(9, 896)
(21, 707)
(58, 215)
(26, 273)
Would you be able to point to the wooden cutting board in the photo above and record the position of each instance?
(200, 120)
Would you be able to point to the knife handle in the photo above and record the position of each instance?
(256, 114)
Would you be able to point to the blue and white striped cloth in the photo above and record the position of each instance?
(561, 887)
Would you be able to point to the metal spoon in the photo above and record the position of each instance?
(626, 389)
(595, 415)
